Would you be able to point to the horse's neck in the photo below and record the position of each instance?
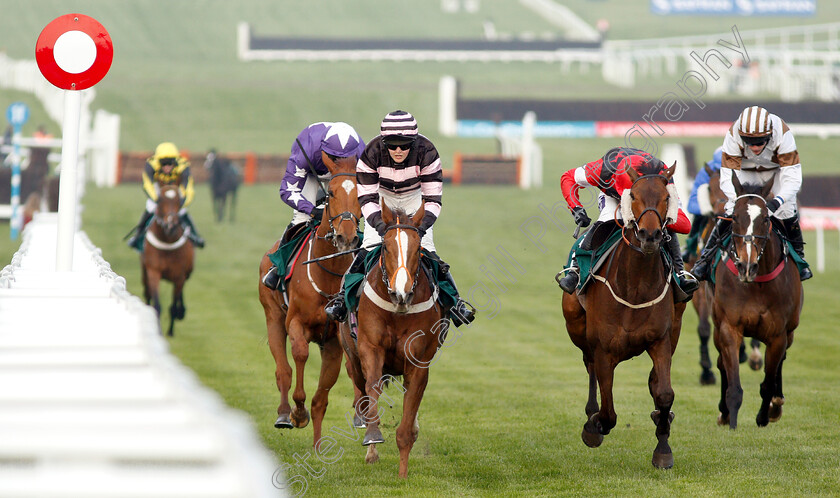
(632, 268)
(772, 255)
(161, 235)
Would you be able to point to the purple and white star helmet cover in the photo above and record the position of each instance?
(341, 140)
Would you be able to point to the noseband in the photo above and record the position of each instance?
(750, 239)
(385, 278)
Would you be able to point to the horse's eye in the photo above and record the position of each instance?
(632, 196)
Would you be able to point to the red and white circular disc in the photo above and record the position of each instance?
(74, 52)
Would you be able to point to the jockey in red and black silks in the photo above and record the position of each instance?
(609, 175)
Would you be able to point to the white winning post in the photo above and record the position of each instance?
(74, 52)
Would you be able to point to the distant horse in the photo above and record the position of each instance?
(301, 319)
(167, 254)
(702, 300)
(401, 326)
(225, 179)
(630, 309)
(758, 294)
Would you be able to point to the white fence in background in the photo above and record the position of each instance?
(91, 402)
(820, 220)
(99, 132)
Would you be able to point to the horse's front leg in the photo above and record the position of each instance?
(659, 384)
(372, 358)
(592, 400)
(416, 378)
(177, 310)
(153, 290)
(300, 353)
(775, 354)
(275, 322)
(704, 331)
(602, 422)
(755, 360)
(330, 368)
(728, 342)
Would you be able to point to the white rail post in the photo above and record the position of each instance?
(67, 199)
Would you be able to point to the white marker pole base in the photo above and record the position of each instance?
(67, 199)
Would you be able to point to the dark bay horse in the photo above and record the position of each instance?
(168, 254)
(401, 326)
(225, 179)
(630, 310)
(757, 294)
(299, 316)
(702, 299)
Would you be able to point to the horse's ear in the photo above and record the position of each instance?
(632, 173)
(766, 190)
(417, 217)
(329, 163)
(737, 184)
(387, 214)
(670, 171)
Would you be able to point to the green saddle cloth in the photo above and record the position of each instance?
(283, 257)
(447, 296)
(801, 264)
(591, 260)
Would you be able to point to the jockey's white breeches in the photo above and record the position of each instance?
(410, 202)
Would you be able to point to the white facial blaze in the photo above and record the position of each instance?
(348, 186)
(401, 279)
(754, 212)
(170, 194)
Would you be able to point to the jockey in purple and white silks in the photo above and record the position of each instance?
(401, 168)
(300, 185)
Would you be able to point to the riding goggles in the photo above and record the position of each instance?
(398, 142)
(755, 140)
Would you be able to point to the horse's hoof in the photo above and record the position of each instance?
(358, 423)
(373, 436)
(722, 420)
(300, 419)
(283, 422)
(372, 456)
(593, 440)
(775, 412)
(663, 460)
(707, 378)
(756, 362)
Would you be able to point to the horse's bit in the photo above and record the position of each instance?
(655, 211)
(749, 239)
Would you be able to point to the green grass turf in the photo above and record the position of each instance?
(504, 406)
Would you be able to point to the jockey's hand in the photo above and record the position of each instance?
(317, 213)
(773, 205)
(581, 218)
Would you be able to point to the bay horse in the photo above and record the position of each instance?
(400, 328)
(299, 316)
(702, 299)
(757, 294)
(629, 310)
(168, 254)
(225, 179)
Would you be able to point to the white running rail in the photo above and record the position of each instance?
(91, 402)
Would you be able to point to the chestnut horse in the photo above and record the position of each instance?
(301, 318)
(630, 309)
(168, 254)
(757, 294)
(401, 327)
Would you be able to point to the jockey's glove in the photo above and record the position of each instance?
(581, 218)
(317, 213)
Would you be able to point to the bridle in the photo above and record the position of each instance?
(344, 215)
(385, 279)
(750, 239)
(170, 222)
(634, 222)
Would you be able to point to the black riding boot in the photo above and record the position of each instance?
(570, 281)
(140, 229)
(685, 280)
(462, 312)
(703, 265)
(691, 242)
(196, 239)
(336, 309)
(794, 234)
(272, 278)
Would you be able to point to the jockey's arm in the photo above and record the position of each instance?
(188, 189)
(695, 203)
(570, 183)
(367, 188)
(431, 187)
(148, 182)
(682, 225)
(291, 187)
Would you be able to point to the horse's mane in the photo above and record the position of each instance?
(650, 168)
(400, 214)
